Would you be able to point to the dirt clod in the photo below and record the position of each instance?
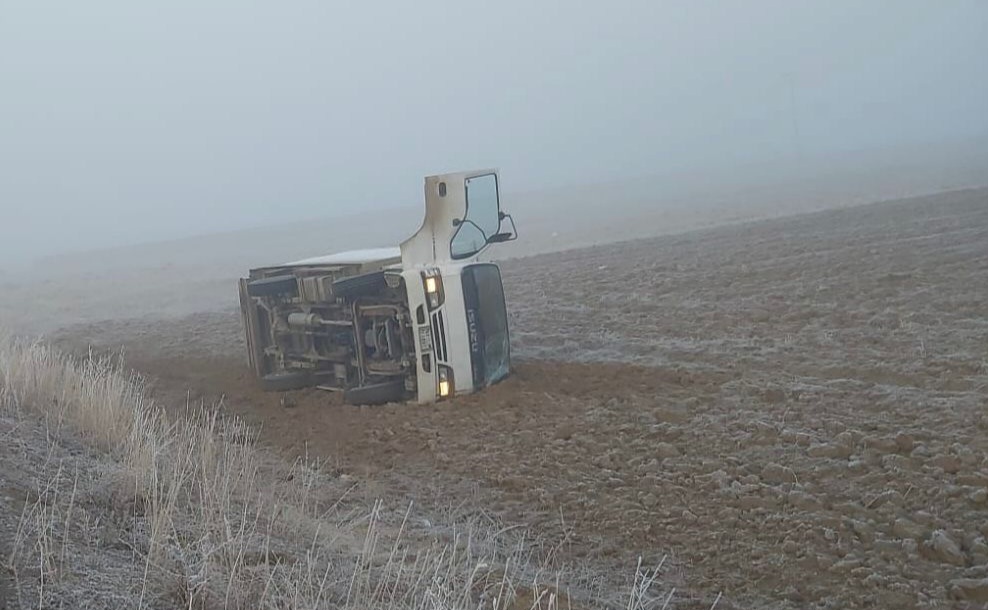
(833, 451)
(775, 474)
(969, 589)
(949, 463)
(905, 442)
(666, 450)
(943, 548)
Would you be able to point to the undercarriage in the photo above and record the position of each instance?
(336, 327)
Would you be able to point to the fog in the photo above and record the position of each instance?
(124, 122)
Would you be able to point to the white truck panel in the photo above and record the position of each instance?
(352, 257)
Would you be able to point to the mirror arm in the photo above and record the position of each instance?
(514, 229)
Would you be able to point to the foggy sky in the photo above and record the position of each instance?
(126, 121)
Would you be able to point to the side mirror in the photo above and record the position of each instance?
(502, 237)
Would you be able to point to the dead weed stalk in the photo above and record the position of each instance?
(215, 525)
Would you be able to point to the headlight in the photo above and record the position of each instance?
(445, 386)
(433, 283)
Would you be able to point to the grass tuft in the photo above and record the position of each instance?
(209, 520)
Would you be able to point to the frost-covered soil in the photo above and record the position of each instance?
(796, 411)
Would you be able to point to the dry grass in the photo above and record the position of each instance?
(210, 520)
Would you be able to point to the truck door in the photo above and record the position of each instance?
(462, 217)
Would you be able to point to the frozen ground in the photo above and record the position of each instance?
(795, 410)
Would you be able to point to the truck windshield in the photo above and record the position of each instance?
(487, 322)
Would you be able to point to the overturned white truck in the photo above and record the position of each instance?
(424, 321)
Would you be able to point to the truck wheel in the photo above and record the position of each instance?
(359, 285)
(283, 381)
(377, 394)
(273, 286)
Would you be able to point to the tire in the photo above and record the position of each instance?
(273, 286)
(377, 394)
(359, 285)
(283, 381)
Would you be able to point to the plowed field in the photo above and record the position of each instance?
(795, 411)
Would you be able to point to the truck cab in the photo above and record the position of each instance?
(422, 322)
